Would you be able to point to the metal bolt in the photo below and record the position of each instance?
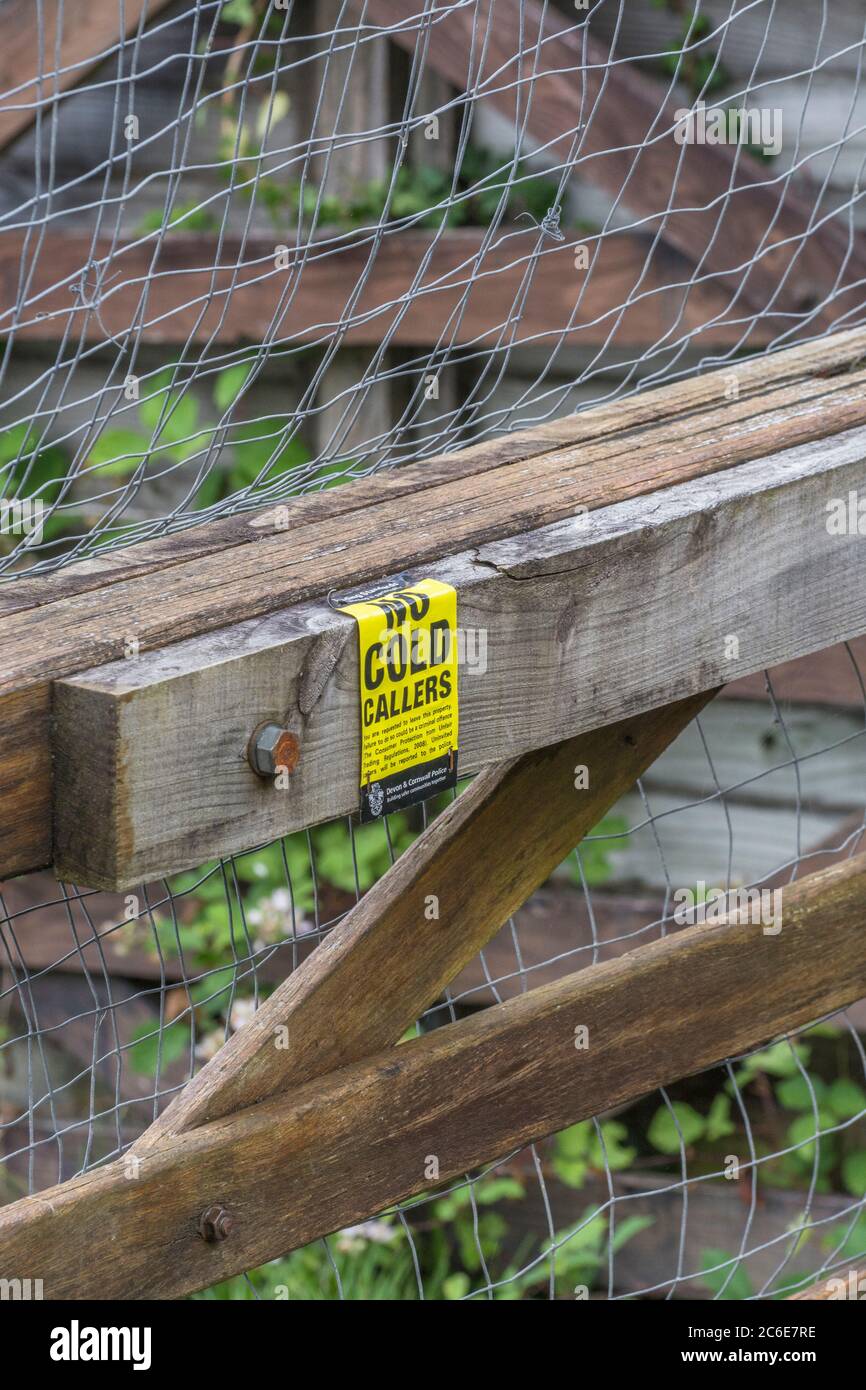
(272, 747)
(215, 1224)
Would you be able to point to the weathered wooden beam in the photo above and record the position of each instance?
(223, 572)
(348, 1145)
(392, 956)
(466, 295)
(740, 220)
(32, 70)
(811, 372)
(735, 571)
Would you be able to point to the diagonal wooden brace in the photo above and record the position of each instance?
(426, 918)
(348, 1145)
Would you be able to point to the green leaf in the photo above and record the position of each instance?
(196, 444)
(736, 1286)
(179, 414)
(625, 1231)
(719, 1123)
(803, 1129)
(144, 1054)
(662, 1132)
(854, 1173)
(456, 1285)
(793, 1093)
(574, 1141)
(229, 383)
(109, 451)
(241, 12)
(846, 1099)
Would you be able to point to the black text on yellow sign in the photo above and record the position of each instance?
(408, 686)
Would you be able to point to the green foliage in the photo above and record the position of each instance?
(170, 431)
(721, 1282)
(692, 62)
(579, 1150)
(716, 1124)
(40, 478)
(188, 217)
(453, 1247)
(152, 1050)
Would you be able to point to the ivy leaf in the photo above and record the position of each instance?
(662, 1132)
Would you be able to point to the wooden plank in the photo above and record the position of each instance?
(343, 1147)
(718, 205)
(193, 295)
(392, 955)
(31, 70)
(206, 576)
(560, 658)
(632, 419)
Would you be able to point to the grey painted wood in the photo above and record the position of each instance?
(587, 621)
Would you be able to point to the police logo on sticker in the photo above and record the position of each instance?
(408, 694)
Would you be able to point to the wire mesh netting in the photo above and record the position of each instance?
(268, 249)
(742, 1182)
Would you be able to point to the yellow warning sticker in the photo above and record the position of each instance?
(408, 665)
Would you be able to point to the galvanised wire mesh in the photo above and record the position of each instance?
(745, 1181)
(199, 236)
(147, 387)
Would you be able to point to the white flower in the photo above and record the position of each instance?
(242, 1011)
(209, 1046)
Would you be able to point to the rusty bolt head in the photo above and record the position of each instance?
(272, 747)
(215, 1224)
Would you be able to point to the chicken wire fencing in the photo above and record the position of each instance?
(746, 1181)
(269, 246)
(265, 249)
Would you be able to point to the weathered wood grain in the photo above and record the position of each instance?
(634, 419)
(743, 554)
(222, 572)
(741, 221)
(29, 59)
(427, 917)
(193, 294)
(345, 1146)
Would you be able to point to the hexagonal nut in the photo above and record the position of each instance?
(272, 747)
(215, 1224)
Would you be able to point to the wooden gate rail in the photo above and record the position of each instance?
(733, 570)
(347, 1145)
(708, 545)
